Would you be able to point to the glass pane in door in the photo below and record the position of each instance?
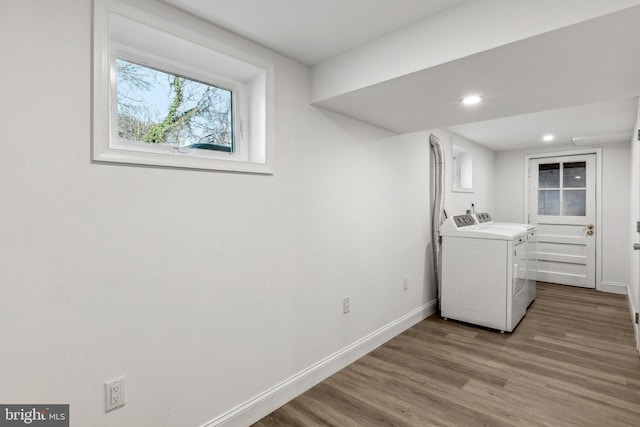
(574, 202)
(574, 175)
(549, 175)
(548, 202)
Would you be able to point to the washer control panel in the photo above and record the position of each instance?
(464, 220)
(483, 217)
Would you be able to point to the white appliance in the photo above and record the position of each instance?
(485, 219)
(483, 273)
(532, 261)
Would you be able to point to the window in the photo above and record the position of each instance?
(156, 107)
(562, 189)
(168, 96)
(462, 168)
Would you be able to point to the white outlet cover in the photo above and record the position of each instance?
(346, 305)
(114, 394)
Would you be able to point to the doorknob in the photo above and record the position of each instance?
(589, 228)
(636, 246)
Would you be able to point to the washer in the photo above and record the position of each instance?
(532, 249)
(481, 283)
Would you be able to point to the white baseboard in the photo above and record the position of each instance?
(614, 288)
(265, 403)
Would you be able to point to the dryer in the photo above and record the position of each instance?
(532, 250)
(481, 283)
(485, 218)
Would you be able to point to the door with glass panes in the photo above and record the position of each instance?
(562, 205)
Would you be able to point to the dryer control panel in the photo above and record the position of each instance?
(483, 217)
(464, 220)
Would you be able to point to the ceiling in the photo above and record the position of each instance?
(311, 31)
(610, 121)
(578, 82)
(596, 61)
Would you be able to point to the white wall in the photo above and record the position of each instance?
(616, 241)
(634, 196)
(510, 197)
(457, 203)
(204, 288)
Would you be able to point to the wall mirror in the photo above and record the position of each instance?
(461, 168)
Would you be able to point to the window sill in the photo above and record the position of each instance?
(179, 160)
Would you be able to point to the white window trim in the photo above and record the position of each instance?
(107, 148)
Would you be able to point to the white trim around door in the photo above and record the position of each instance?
(525, 213)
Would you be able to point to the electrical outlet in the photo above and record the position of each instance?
(114, 394)
(346, 305)
(405, 283)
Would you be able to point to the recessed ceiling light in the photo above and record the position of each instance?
(471, 100)
(548, 138)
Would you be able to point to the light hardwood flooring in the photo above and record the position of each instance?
(570, 362)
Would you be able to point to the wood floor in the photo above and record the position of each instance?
(570, 362)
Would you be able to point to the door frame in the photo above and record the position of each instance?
(598, 189)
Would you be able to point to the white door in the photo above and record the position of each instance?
(562, 205)
(635, 216)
